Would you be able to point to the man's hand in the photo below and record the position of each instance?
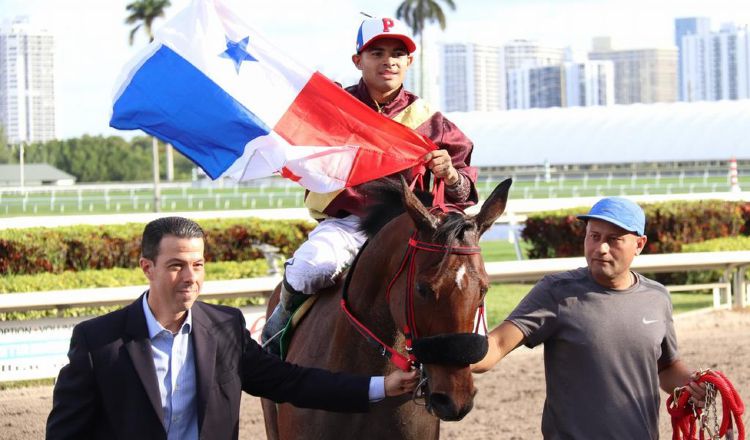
(400, 382)
(697, 391)
(441, 165)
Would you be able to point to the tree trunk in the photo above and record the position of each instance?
(157, 191)
(169, 150)
(421, 65)
(21, 175)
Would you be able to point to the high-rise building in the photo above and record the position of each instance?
(529, 53)
(716, 65)
(519, 54)
(472, 77)
(535, 87)
(588, 84)
(27, 82)
(641, 75)
(683, 27)
(566, 85)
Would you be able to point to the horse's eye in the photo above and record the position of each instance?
(424, 289)
(483, 292)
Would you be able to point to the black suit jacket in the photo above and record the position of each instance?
(109, 389)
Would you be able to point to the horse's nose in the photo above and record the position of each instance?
(445, 408)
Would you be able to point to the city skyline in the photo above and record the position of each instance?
(92, 48)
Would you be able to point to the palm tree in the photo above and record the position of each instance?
(417, 14)
(144, 12)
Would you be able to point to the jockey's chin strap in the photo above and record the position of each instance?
(685, 414)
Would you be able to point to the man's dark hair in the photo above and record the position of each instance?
(179, 227)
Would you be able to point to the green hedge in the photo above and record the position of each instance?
(74, 312)
(116, 277)
(669, 226)
(738, 243)
(55, 250)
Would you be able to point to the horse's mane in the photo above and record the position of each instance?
(385, 203)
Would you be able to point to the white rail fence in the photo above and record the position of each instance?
(37, 349)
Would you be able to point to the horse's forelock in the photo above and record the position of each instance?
(452, 229)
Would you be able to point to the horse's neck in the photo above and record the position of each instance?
(377, 266)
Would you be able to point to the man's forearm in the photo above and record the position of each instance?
(674, 376)
(502, 340)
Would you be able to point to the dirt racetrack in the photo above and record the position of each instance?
(510, 398)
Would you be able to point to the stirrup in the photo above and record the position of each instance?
(272, 330)
(268, 342)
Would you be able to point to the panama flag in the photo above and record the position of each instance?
(237, 107)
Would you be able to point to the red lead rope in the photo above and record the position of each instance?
(685, 416)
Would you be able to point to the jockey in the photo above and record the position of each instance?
(384, 52)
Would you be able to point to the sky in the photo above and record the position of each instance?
(92, 37)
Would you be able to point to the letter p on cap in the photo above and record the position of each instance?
(387, 24)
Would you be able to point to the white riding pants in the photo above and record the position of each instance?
(329, 248)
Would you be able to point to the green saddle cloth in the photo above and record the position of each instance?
(286, 335)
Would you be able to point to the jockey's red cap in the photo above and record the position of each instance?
(373, 29)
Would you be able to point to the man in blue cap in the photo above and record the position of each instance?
(609, 340)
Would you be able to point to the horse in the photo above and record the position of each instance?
(428, 313)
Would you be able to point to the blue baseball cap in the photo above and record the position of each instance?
(619, 211)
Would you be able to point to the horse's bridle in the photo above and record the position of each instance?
(451, 349)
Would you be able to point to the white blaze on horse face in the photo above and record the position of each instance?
(460, 276)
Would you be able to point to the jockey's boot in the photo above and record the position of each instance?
(289, 300)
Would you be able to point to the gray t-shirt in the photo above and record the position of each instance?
(603, 350)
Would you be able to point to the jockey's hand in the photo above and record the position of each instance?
(400, 382)
(441, 165)
(697, 391)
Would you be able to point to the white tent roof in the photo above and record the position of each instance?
(666, 132)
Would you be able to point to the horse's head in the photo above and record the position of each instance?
(443, 291)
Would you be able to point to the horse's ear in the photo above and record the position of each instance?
(423, 220)
(493, 207)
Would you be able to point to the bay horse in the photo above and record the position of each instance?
(431, 309)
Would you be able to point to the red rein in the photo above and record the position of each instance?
(685, 416)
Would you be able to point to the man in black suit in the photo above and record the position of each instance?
(170, 367)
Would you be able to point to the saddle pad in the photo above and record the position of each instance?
(286, 336)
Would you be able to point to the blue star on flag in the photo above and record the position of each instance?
(237, 52)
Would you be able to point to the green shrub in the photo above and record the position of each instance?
(739, 243)
(75, 312)
(117, 277)
(669, 226)
(77, 248)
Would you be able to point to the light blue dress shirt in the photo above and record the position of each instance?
(175, 371)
